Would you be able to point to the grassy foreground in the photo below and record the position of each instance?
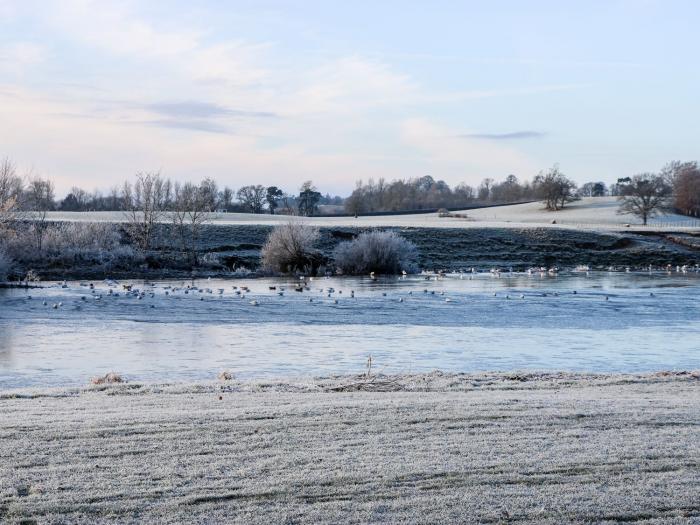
(487, 448)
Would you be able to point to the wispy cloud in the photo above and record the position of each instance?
(513, 135)
(192, 109)
(191, 125)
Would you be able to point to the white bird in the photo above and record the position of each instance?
(254, 303)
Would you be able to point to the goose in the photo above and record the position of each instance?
(254, 302)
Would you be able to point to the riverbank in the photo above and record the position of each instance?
(234, 251)
(539, 448)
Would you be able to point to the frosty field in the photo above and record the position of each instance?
(598, 322)
(440, 448)
(596, 213)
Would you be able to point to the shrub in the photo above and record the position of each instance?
(377, 251)
(290, 248)
(6, 265)
(110, 378)
(69, 244)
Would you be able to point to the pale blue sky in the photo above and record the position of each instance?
(279, 92)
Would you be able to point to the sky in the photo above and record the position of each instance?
(279, 92)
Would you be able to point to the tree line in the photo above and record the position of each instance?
(33, 193)
(675, 187)
(425, 192)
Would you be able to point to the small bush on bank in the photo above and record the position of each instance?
(6, 265)
(290, 248)
(110, 378)
(70, 245)
(377, 251)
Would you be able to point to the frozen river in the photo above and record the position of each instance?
(589, 322)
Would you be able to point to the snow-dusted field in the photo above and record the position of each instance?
(536, 448)
(593, 213)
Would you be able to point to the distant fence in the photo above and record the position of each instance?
(652, 225)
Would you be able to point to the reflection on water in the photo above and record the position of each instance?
(596, 322)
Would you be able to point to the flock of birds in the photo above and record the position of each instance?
(115, 289)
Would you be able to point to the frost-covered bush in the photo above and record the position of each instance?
(6, 265)
(376, 251)
(69, 244)
(290, 248)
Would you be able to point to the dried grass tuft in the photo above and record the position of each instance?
(225, 375)
(109, 378)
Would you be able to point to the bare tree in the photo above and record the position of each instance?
(684, 179)
(210, 193)
(555, 188)
(646, 195)
(252, 197)
(226, 198)
(144, 205)
(191, 210)
(40, 200)
(11, 188)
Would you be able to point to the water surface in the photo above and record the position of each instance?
(603, 322)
